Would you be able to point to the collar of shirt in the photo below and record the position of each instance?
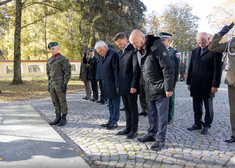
(54, 56)
(125, 47)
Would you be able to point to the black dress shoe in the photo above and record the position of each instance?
(205, 130)
(100, 101)
(111, 126)
(147, 139)
(194, 127)
(232, 139)
(145, 114)
(123, 132)
(157, 145)
(131, 135)
(107, 124)
(103, 102)
(142, 113)
(84, 97)
(93, 100)
(122, 109)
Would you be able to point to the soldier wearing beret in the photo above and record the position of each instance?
(58, 72)
(173, 53)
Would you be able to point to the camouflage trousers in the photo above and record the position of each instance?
(58, 97)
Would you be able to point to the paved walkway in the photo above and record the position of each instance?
(103, 148)
(27, 141)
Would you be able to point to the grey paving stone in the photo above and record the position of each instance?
(182, 146)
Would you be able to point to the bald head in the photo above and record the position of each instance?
(137, 38)
(203, 39)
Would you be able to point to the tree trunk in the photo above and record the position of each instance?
(45, 36)
(17, 54)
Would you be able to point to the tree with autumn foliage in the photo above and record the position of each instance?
(223, 14)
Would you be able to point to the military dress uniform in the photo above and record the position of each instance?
(58, 72)
(174, 54)
(228, 47)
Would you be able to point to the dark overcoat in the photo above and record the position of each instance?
(204, 72)
(109, 73)
(128, 71)
(92, 68)
(84, 70)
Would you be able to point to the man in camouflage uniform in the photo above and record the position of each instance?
(58, 73)
(173, 53)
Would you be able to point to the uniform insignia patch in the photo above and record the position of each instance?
(164, 53)
(177, 55)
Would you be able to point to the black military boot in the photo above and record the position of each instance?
(63, 120)
(57, 119)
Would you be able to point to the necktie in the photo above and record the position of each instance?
(142, 51)
(201, 51)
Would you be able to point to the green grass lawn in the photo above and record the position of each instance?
(33, 88)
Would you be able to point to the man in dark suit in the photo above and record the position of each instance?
(109, 73)
(92, 73)
(203, 81)
(128, 84)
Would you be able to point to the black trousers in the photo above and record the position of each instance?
(94, 87)
(131, 110)
(198, 111)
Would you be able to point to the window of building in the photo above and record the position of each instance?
(74, 66)
(9, 69)
(34, 68)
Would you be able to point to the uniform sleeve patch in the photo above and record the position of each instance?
(164, 53)
(177, 55)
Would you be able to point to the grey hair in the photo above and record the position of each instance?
(204, 34)
(100, 44)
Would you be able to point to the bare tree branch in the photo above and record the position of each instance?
(5, 2)
(42, 3)
(38, 20)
